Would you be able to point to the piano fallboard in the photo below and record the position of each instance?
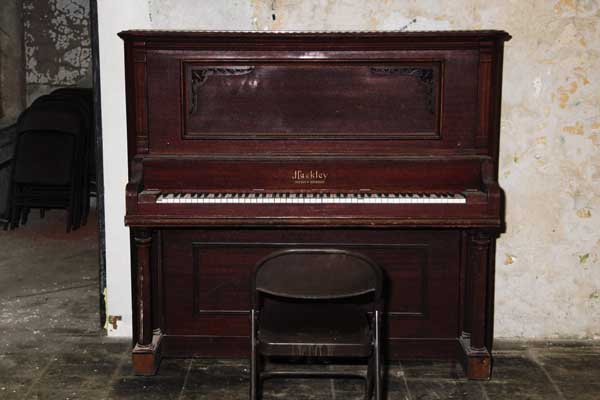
(358, 192)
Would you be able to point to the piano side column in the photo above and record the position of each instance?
(466, 299)
(477, 357)
(146, 352)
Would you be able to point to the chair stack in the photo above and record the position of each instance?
(53, 166)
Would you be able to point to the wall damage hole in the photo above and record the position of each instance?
(113, 320)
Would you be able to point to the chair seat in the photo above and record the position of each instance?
(321, 330)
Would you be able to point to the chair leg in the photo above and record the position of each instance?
(71, 211)
(378, 389)
(369, 379)
(24, 215)
(15, 210)
(259, 380)
(253, 361)
(86, 201)
(15, 217)
(69, 219)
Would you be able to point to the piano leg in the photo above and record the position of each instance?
(476, 356)
(146, 352)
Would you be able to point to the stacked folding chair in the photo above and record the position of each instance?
(51, 166)
(7, 150)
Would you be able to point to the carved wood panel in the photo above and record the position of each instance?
(208, 281)
(312, 99)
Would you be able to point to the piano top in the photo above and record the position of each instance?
(445, 35)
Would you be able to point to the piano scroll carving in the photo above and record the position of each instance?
(199, 76)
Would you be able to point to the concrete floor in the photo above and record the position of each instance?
(51, 346)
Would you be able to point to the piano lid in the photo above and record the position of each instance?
(445, 35)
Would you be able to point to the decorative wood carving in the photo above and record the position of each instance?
(199, 76)
(425, 76)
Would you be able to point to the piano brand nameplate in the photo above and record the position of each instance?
(309, 177)
(308, 100)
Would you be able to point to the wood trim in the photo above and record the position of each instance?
(141, 101)
(479, 246)
(425, 268)
(143, 244)
(437, 64)
(484, 97)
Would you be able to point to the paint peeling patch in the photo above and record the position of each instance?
(584, 213)
(564, 6)
(583, 258)
(565, 92)
(579, 71)
(57, 42)
(510, 259)
(576, 129)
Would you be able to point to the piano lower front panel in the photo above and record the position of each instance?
(202, 283)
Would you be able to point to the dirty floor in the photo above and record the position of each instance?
(51, 346)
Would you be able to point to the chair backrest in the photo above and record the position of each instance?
(83, 100)
(44, 158)
(316, 274)
(50, 114)
(54, 144)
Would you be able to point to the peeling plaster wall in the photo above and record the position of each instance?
(57, 45)
(12, 76)
(548, 261)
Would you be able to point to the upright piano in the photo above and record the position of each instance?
(245, 143)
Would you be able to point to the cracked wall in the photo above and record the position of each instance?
(57, 45)
(548, 261)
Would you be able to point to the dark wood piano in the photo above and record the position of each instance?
(245, 143)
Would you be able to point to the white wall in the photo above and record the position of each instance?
(548, 261)
(113, 17)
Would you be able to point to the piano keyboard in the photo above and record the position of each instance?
(310, 198)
